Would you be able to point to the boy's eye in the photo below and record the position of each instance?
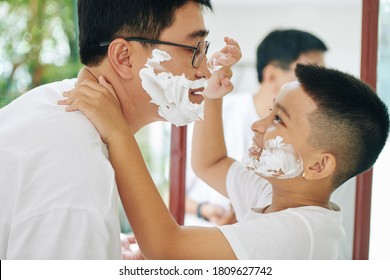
(278, 119)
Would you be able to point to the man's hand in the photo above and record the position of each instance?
(217, 214)
(130, 250)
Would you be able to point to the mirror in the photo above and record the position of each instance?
(336, 22)
(380, 219)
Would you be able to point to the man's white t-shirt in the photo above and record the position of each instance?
(58, 196)
(302, 233)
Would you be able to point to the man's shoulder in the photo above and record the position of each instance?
(57, 87)
(38, 98)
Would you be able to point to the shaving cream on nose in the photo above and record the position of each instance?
(170, 92)
(277, 159)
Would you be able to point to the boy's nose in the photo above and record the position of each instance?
(260, 125)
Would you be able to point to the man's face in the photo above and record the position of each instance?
(311, 57)
(288, 119)
(188, 29)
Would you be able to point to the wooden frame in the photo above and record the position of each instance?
(368, 73)
(177, 175)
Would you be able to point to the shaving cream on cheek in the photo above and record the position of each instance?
(170, 92)
(276, 159)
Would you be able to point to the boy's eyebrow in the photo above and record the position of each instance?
(199, 33)
(283, 109)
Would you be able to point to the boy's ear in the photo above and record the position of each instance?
(323, 166)
(120, 56)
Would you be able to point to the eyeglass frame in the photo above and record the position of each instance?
(157, 42)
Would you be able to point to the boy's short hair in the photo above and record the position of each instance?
(351, 121)
(283, 47)
(101, 20)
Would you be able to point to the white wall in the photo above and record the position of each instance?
(336, 22)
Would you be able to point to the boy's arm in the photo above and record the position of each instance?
(157, 233)
(209, 155)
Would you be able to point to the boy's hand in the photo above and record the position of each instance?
(220, 65)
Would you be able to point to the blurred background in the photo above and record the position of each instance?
(38, 44)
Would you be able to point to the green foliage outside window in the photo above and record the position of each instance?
(38, 45)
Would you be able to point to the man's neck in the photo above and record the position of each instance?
(85, 74)
(136, 114)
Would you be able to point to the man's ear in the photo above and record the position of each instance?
(323, 166)
(120, 56)
(269, 73)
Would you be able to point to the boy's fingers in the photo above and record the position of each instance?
(108, 86)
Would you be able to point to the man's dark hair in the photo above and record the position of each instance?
(351, 121)
(101, 20)
(283, 47)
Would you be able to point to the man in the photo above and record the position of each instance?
(277, 55)
(324, 128)
(58, 193)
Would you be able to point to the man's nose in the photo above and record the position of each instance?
(203, 71)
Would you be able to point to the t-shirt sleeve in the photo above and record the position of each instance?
(246, 189)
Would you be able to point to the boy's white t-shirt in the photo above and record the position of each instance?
(58, 196)
(308, 232)
(239, 112)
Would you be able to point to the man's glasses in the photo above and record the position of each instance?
(198, 52)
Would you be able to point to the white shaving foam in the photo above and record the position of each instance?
(217, 61)
(277, 160)
(170, 92)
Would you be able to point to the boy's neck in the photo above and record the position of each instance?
(292, 197)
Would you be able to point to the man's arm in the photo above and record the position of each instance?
(209, 155)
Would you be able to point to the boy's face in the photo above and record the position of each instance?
(289, 119)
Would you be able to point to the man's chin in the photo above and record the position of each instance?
(195, 96)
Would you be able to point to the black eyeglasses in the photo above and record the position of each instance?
(198, 52)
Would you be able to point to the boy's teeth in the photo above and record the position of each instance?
(254, 153)
(256, 147)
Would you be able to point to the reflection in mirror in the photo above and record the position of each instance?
(380, 217)
(336, 22)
